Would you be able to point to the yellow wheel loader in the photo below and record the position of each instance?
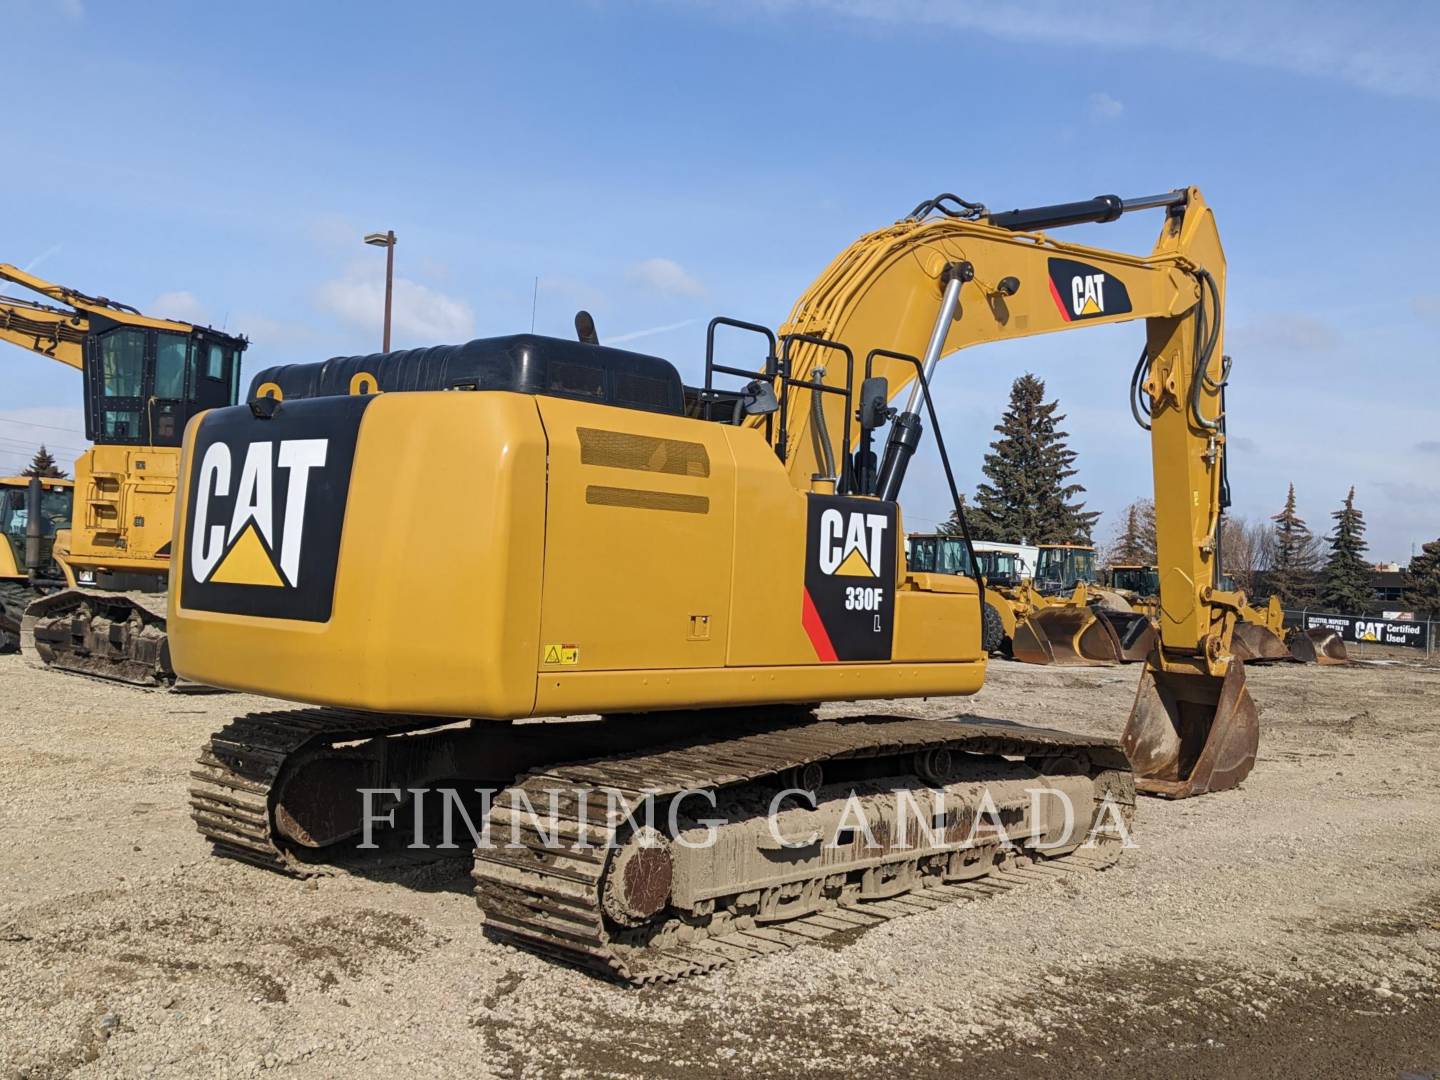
(437, 549)
(1261, 635)
(144, 378)
(32, 510)
(1068, 619)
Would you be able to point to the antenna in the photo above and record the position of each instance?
(534, 301)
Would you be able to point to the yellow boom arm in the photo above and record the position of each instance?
(60, 333)
(988, 282)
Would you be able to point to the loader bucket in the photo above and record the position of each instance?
(1190, 732)
(1327, 646)
(1066, 634)
(1134, 631)
(1257, 644)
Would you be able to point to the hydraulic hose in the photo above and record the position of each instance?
(824, 452)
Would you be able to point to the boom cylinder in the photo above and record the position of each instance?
(1101, 208)
(907, 429)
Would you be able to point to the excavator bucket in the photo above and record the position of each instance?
(1319, 646)
(1258, 644)
(1191, 732)
(1066, 634)
(1133, 630)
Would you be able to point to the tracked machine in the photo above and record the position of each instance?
(437, 549)
(32, 510)
(144, 378)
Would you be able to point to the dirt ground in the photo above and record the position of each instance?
(1291, 928)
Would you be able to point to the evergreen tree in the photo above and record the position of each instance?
(44, 464)
(1134, 543)
(1345, 585)
(1027, 496)
(980, 526)
(1293, 555)
(1422, 593)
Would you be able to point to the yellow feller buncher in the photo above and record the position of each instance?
(32, 510)
(144, 378)
(435, 548)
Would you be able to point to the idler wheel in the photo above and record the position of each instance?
(638, 884)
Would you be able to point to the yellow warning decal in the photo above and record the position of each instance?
(564, 655)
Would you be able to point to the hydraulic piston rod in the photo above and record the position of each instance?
(1101, 208)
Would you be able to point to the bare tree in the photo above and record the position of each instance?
(1245, 550)
(1133, 543)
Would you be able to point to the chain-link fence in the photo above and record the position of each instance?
(1358, 631)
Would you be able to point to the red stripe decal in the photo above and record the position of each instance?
(1064, 311)
(819, 639)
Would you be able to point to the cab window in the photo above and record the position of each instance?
(171, 353)
(215, 362)
(122, 363)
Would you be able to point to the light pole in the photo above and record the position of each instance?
(387, 241)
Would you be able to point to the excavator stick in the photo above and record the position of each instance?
(1258, 644)
(1066, 634)
(1318, 646)
(1191, 732)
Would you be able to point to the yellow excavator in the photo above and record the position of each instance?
(437, 548)
(32, 510)
(144, 378)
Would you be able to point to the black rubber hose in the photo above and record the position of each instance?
(1139, 400)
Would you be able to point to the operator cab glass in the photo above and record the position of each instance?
(939, 555)
(999, 568)
(1141, 580)
(1060, 569)
(55, 504)
(142, 385)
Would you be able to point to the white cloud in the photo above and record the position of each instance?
(1105, 107)
(422, 315)
(180, 306)
(636, 335)
(666, 276)
(1388, 48)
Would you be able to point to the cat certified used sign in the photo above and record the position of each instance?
(849, 602)
(1082, 291)
(264, 508)
(1363, 628)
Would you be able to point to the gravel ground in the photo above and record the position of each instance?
(1288, 928)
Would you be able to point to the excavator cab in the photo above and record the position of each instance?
(143, 384)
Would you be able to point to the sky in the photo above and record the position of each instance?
(662, 162)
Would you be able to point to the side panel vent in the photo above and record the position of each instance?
(622, 450)
(596, 495)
